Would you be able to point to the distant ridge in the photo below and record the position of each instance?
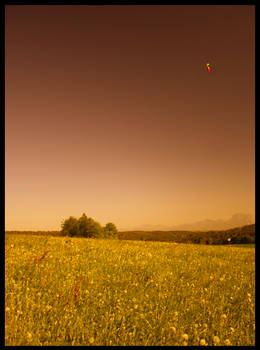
(236, 220)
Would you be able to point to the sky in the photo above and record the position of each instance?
(110, 111)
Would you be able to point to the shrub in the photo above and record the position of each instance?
(87, 227)
(70, 227)
(110, 230)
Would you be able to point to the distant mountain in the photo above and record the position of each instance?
(205, 225)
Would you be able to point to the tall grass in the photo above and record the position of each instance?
(62, 291)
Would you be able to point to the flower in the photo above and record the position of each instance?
(227, 342)
(202, 342)
(185, 336)
(91, 340)
(216, 340)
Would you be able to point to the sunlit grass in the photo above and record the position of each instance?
(62, 291)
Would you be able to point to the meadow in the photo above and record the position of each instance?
(78, 291)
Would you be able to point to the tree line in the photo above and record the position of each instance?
(87, 227)
(238, 235)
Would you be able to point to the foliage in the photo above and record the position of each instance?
(35, 233)
(83, 223)
(239, 235)
(70, 227)
(94, 229)
(72, 291)
(110, 230)
(87, 227)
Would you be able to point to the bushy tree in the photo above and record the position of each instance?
(70, 227)
(110, 230)
(83, 226)
(93, 228)
(87, 227)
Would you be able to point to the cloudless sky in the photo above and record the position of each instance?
(109, 110)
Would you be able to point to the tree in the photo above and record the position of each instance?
(87, 227)
(110, 230)
(83, 226)
(69, 227)
(93, 228)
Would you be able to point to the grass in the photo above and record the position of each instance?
(63, 291)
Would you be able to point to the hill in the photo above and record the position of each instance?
(236, 220)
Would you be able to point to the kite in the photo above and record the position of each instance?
(208, 67)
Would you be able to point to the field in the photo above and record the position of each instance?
(63, 291)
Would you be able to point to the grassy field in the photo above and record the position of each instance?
(62, 291)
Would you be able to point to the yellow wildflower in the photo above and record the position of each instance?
(227, 342)
(202, 342)
(216, 340)
(185, 336)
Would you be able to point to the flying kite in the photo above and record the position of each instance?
(208, 67)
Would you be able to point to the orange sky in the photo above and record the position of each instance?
(109, 110)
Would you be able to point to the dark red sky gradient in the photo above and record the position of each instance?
(110, 111)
